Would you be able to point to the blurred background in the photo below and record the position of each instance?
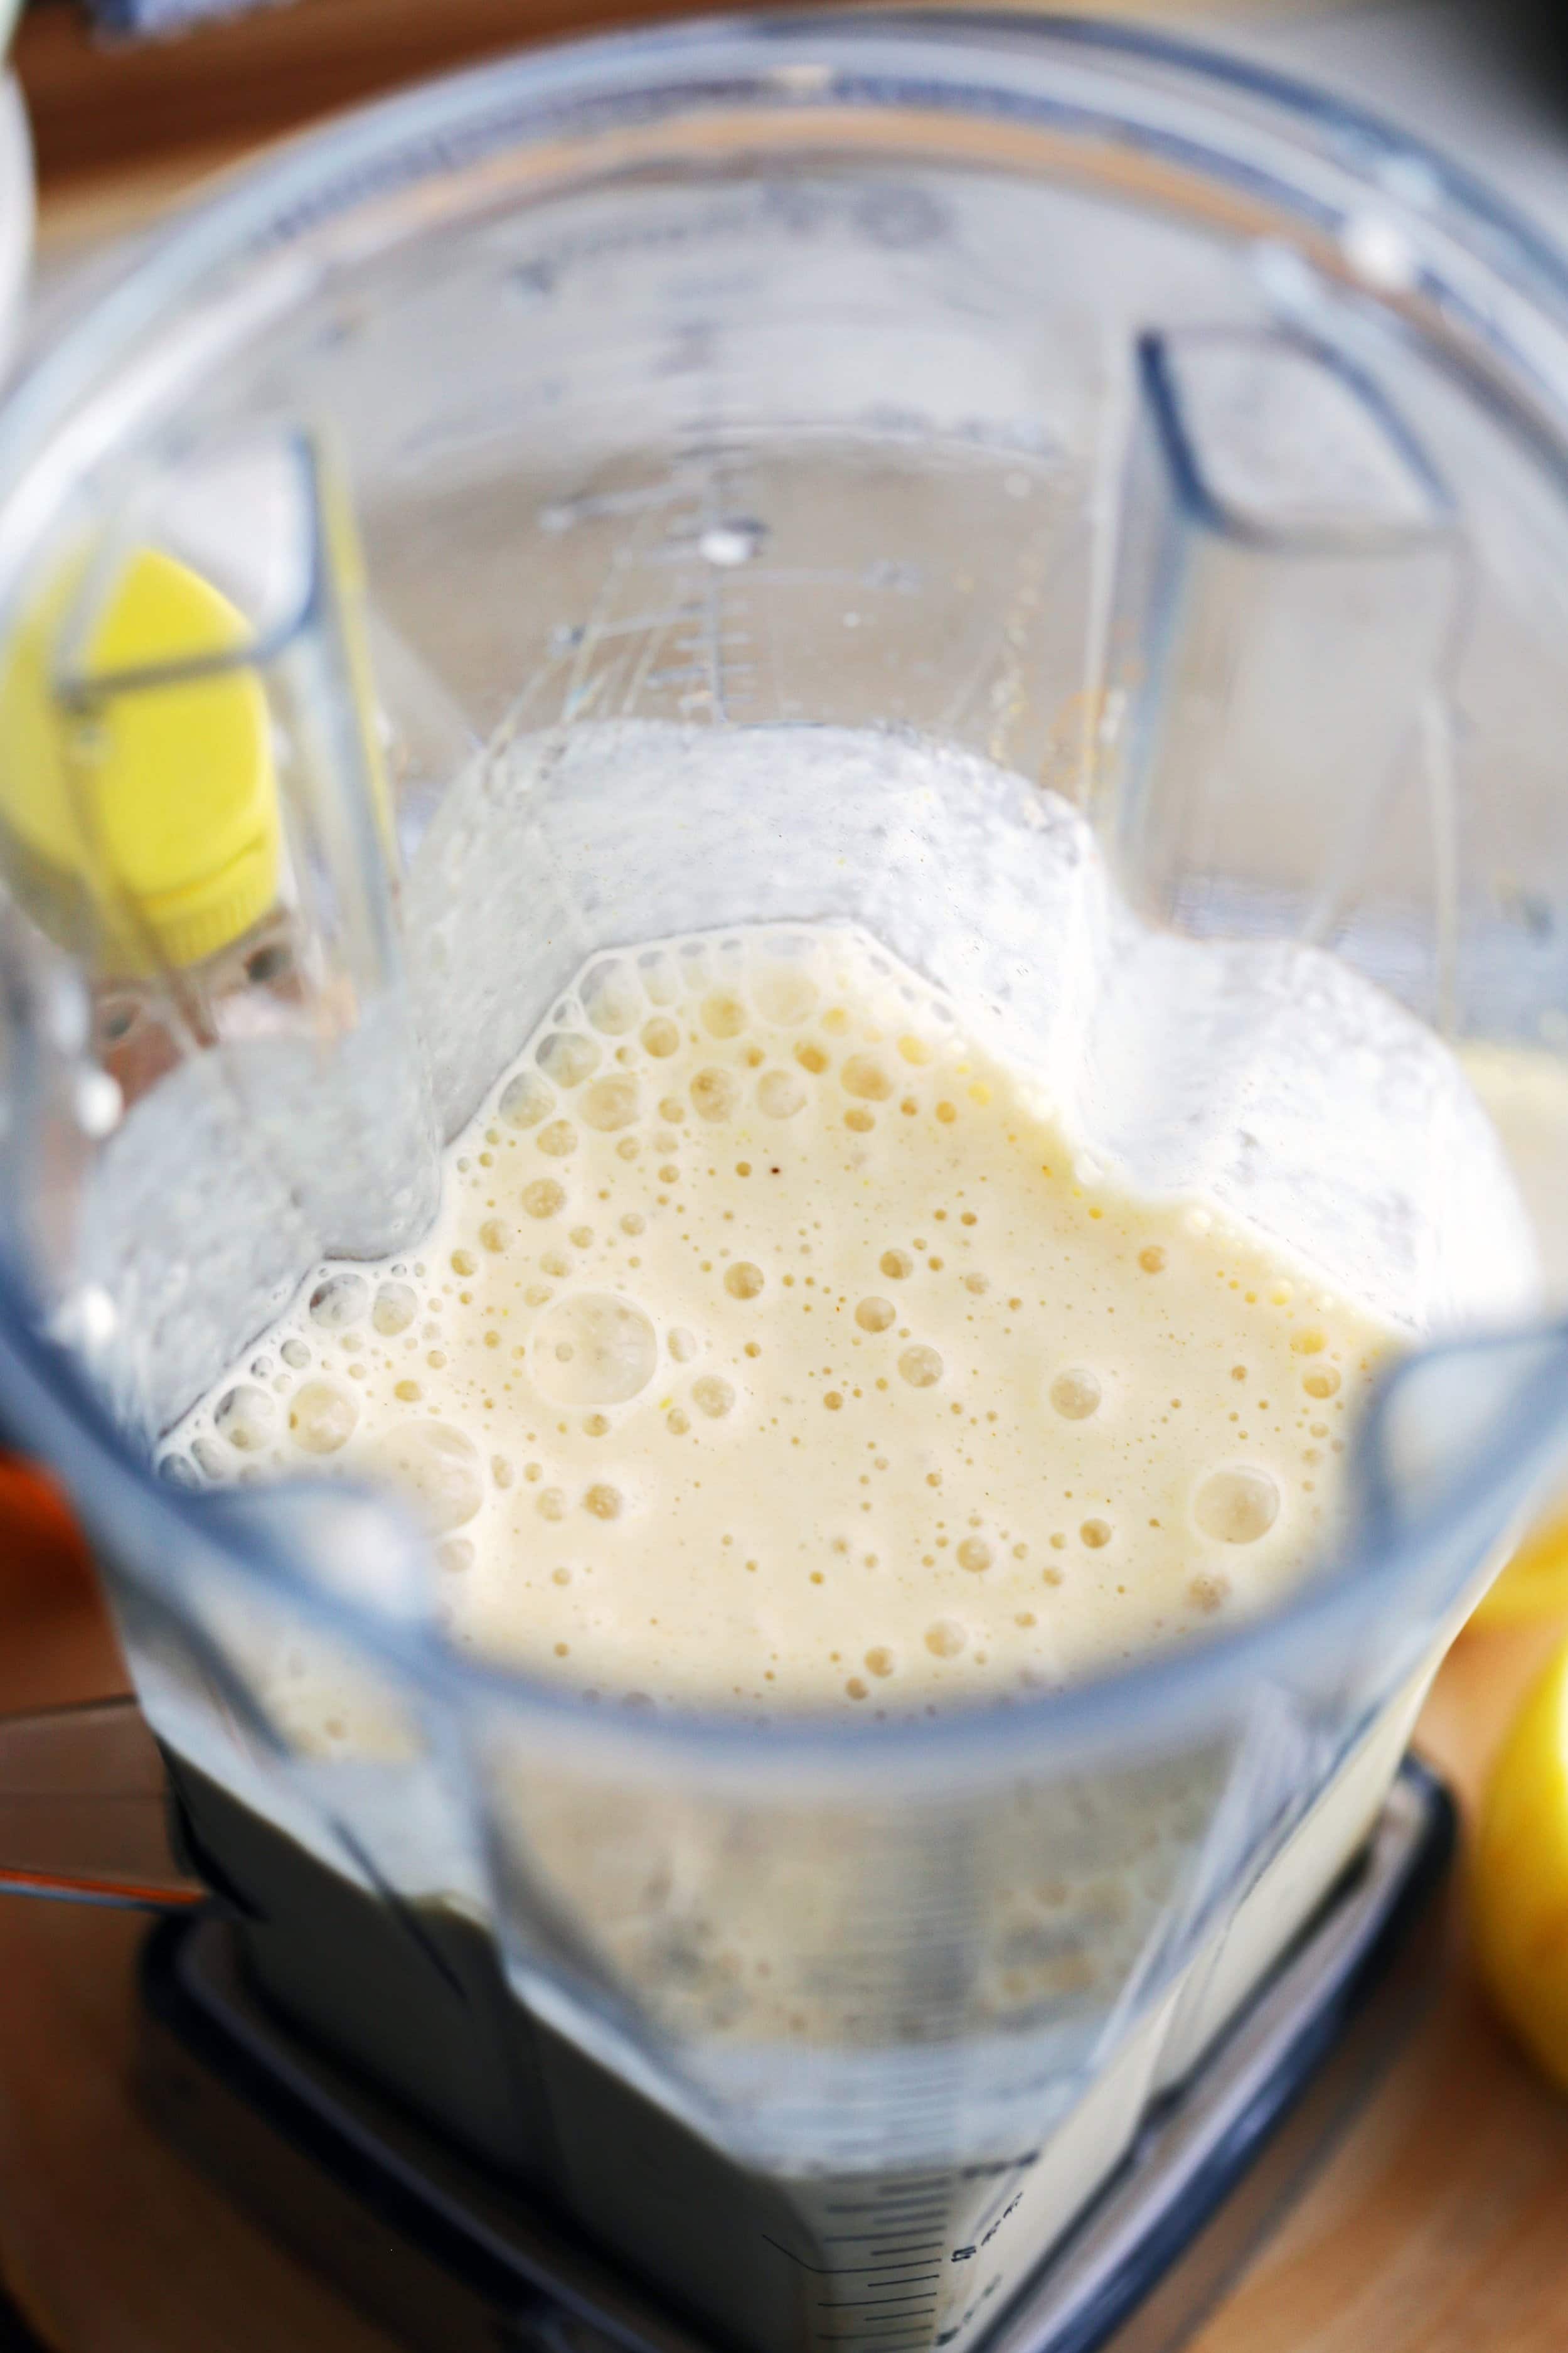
(132, 100)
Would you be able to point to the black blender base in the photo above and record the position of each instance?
(452, 2262)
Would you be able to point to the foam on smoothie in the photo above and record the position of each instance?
(776, 1345)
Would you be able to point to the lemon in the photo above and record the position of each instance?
(1535, 1582)
(1519, 1879)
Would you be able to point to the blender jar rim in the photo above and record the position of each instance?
(880, 58)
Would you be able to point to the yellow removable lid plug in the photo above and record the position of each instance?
(158, 801)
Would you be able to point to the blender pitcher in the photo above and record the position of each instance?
(1091, 515)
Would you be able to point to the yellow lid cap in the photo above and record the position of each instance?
(160, 799)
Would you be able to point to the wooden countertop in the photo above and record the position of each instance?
(1438, 2225)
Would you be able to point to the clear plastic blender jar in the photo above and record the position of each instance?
(876, 470)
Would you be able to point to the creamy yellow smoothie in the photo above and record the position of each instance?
(775, 1343)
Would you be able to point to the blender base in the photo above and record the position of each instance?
(443, 2256)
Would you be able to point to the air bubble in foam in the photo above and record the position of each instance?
(247, 1418)
(743, 1280)
(1075, 1393)
(921, 1366)
(713, 1396)
(593, 1348)
(341, 1300)
(568, 1057)
(660, 973)
(321, 1416)
(394, 1310)
(1236, 1505)
(210, 1458)
(611, 1000)
(526, 1100)
(724, 1013)
(874, 1315)
(611, 1103)
(865, 1076)
(780, 1094)
(783, 995)
(438, 1467)
(713, 1093)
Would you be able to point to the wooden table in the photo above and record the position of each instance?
(1440, 2225)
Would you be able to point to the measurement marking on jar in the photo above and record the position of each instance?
(885, 2213)
(905, 2218)
(883, 2204)
(869, 2303)
(877, 2327)
(887, 2247)
(874, 2208)
(927, 2263)
(906, 2193)
(858, 2336)
(840, 2270)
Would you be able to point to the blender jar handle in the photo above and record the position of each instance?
(85, 1813)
